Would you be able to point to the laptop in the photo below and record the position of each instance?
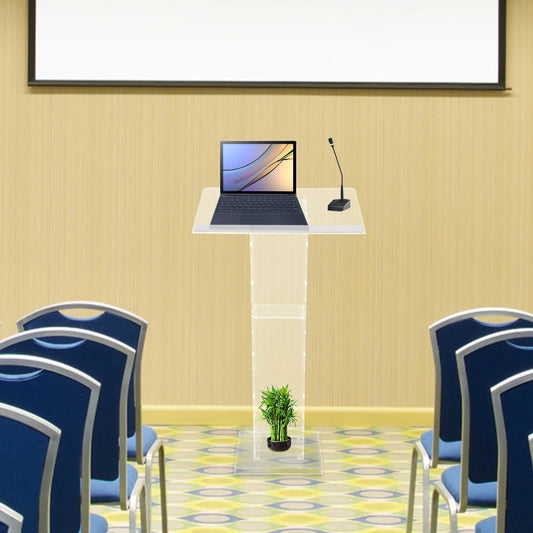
(258, 185)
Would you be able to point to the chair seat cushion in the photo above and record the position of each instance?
(149, 437)
(479, 494)
(448, 451)
(486, 526)
(109, 491)
(98, 524)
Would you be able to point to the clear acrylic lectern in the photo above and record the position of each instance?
(278, 281)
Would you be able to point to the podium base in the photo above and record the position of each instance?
(254, 457)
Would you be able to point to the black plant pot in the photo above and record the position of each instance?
(279, 446)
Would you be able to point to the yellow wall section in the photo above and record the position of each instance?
(99, 187)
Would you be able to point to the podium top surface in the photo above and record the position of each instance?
(314, 203)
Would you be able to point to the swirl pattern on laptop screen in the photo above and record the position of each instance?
(250, 167)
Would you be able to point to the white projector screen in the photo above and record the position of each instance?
(314, 43)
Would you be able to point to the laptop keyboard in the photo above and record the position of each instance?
(243, 203)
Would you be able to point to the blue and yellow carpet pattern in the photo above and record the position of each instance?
(363, 486)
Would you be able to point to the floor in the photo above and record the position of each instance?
(363, 486)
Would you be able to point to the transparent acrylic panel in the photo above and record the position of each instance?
(278, 270)
(278, 359)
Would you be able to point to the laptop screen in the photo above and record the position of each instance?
(258, 166)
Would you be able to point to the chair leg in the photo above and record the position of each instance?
(425, 493)
(434, 511)
(411, 494)
(144, 511)
(450, 502)
(163, 489)
(138, 496)
(418, 451)
(157, 447)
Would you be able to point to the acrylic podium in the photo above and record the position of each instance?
(278, 282)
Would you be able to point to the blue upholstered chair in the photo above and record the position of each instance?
(110, 363)
(28, 448)
(443, 442)
(513, 413)
(481, 364)
(10, 520)
(143, 442)
(44, 387)
(112, 322)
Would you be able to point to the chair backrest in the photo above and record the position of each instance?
(10, 520)
(45, 387)
(111, 321)
(108, 361)
(512, 400)
(28, 450)
(447, 336)
(482, 364)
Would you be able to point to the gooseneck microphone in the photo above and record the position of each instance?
(342, 203)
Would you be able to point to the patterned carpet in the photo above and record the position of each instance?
(363, 486)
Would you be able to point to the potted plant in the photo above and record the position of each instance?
(278, 409)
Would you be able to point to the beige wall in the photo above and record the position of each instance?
(98, 191)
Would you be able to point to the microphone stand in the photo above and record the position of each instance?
(342, 203)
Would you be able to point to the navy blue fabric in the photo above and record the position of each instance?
(485, 368)
(22, 458)
(107, 366)
(98, 524)
(47, 394)
(109, 491)
(479, 494)
(149, 437)
(486, 526)
(3, 527)
(449, 339)
(517, 408)
(106, 323)
(448, 451)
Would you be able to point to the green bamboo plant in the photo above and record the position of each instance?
(278, 409)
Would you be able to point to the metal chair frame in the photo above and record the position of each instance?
(11, 519)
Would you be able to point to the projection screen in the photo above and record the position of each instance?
(313, 43)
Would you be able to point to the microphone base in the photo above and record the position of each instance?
(339, 205)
